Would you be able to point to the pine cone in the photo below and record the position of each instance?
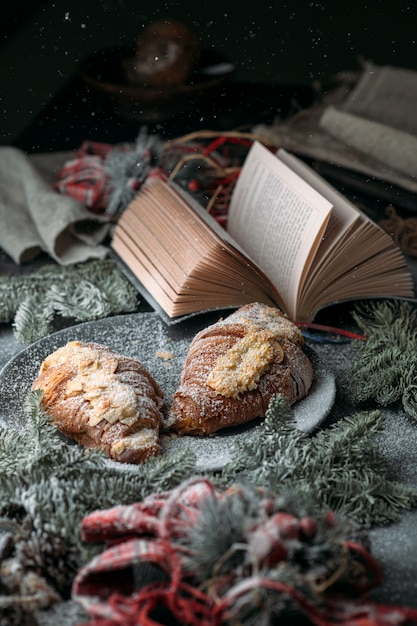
(51, 557)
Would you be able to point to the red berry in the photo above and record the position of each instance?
(308, 527)
(288, 526)
(193, 185)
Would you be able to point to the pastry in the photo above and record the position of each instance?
(235, 366)
(102, 399)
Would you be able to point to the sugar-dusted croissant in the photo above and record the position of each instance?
(102, 399)
(235, 366)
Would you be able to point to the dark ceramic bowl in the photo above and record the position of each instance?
(105, 72)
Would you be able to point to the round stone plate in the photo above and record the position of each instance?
(162, 350)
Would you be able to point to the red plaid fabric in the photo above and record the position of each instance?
(117, 588)
(150, 517)
(84, 177)
(142, 534)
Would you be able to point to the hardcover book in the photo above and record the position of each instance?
(292, 240)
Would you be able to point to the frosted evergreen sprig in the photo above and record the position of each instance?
(385, 368)
(125, 166)
(58, 483)
(83, 291)
(33, 318)
(339, 468)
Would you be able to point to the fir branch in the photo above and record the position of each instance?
(85, 302)
(125, 166)
(221, 525)
(33, 318)
(274, 433)
(339, 468)
(386, 365)
(58, 483)
(83, 291)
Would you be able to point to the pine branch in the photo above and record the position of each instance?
(58, 483)
(85, 302)
(84, 291)
(124, 166)
(33, 318)
(221, 524)
(339, 468)
(385, 368)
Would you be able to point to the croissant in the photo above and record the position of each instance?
(102, 399)
(235, 366)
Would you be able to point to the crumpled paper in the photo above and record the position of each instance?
(35, 218)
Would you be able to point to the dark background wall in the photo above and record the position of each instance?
(269, 40)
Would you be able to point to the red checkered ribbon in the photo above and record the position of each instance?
(142, 578)
(84, 177)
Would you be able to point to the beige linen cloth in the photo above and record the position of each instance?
(35, 218)
(367, 123)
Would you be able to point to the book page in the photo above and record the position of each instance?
(356, 257)
(344, 218)
(344, 214)
(278, 219)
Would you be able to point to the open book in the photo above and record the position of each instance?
(292, 240)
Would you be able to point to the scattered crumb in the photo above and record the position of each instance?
(165, 355)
